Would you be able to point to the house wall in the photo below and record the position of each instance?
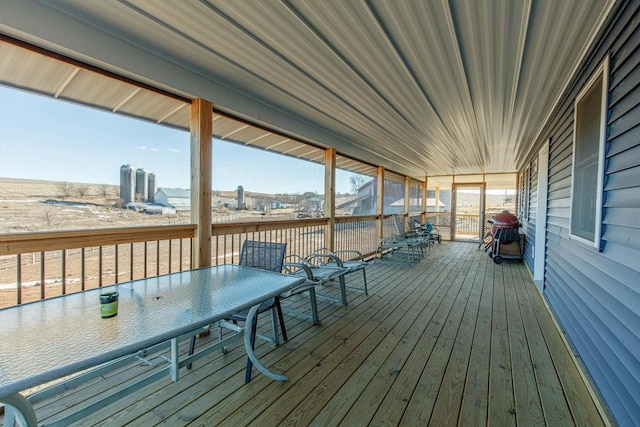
(596, 295)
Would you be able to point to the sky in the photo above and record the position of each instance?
(48, 139)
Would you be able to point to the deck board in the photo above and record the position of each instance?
(447, 405)
(475, 399)
(453, 340)
(528, 406)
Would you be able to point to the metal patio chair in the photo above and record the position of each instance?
(350, 259)
(402, 247)
(317, 275)
(264, 256)
(417, 237)
(428, 229)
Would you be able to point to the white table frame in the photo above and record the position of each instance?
(221, 280)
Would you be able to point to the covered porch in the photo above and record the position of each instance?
(454, 340)
(408, 97)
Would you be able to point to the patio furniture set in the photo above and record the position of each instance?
(64, 341)
(411, 245)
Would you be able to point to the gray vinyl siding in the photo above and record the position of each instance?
(596, 295)
(529, 224)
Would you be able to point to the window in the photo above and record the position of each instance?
(356, 187)
(393, 193)
(415, 199)
(588, 158)
(250, 184)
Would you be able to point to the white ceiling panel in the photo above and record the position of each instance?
(420, 87)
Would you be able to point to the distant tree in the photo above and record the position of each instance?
(262, 199)
(292, 199)
(104, 190)
(82, 190)
(309, 195)
(357, 181)
(47, 218)
(65, 188)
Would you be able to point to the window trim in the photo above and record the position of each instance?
(601, 71)
(524, 182)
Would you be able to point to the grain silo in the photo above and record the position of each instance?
(142, 184)
(127, 183)
(240, 205)
(151, 190)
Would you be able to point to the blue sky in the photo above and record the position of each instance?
(43, 138)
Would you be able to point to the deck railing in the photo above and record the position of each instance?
(442, 221)
(358, 233)
(41, 265)
(301, 236)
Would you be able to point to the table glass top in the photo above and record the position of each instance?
(46, 339)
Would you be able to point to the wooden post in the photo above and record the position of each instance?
(423, 208)
(407, 201)
(330, 196)
(201, 125)
(380, 201)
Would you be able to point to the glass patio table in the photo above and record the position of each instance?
(54, 338)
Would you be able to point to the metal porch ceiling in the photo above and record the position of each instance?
(420, 87)
(36, 72)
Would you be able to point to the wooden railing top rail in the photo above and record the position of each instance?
(221, 229)
(19, 243)
(355, 218)
(256, 226)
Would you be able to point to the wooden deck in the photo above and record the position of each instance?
(454, 340)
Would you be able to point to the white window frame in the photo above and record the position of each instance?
(602, 71)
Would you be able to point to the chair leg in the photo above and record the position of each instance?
(314, 306)
(364, 277)
(281, 318)
(343, 289)
(274, 326)
(192, 349)
(254, 327)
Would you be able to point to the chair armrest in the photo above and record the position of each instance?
(358, 254)
(394, 238)
(296, 267)
(307, 285)
(320, 259)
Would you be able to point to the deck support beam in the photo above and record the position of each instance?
(330, 196)
(201, 125)
(407, 201)
(380, 201)
(423, 208)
